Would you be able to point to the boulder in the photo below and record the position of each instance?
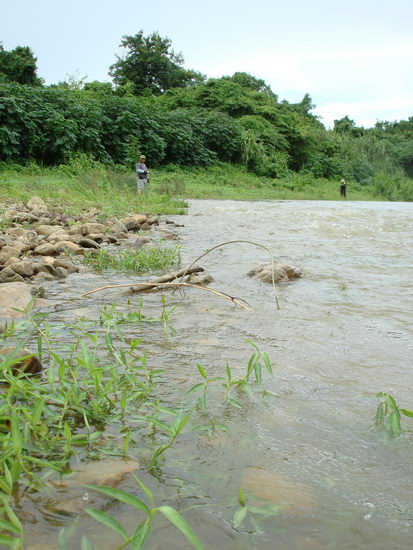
(19, 216)
(133, 222)
(22, 360)
(43, 267)
(97, 237)
(16, 296)
(140, 241)
(115, 226)
(282, 273)
(46, 249)
(25, 269)
(268, 487)
(68, 246)
(8, 252)
(167, 235)
(59, 235)
(37, 204)
(69, 266)
(88, 228)
(87, 243)
(201, 279)
(46, 230)
(7, 275)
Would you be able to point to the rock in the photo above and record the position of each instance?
(87, 243)
(15, 296)
(7, 275)
(167, 235)
(25, 269)
(43, 267)
(46, 249)
(88, 228)
(115, 226)
(46, 230)
(66, 264)
(271, 487)
(97, 237)
(29, 365)
(74, 230)
(201, 279)
(37, 204)
(152, 220)
(104, 472)
(59, 235)
(111, 239)
(10, 261)
(282, 273)
(68, 246)
(133, 222)
(145, 226)
(19, 216)
(61, 272)
(8, 252)
(140, 241)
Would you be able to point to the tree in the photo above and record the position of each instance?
(151, 65)
(19, 65)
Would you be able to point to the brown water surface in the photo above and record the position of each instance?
(342, 333)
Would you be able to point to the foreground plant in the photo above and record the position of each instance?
(388, 414)
(141, 533)
(126, 261)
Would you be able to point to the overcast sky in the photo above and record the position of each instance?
(353, 57)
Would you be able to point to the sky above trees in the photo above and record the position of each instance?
(354, 58)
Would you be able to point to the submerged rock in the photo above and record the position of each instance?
(21, 363)
(282, 273)
(271, 487)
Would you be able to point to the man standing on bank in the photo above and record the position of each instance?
(142, 174)
(343, 188)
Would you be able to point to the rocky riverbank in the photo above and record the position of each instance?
(41, 243)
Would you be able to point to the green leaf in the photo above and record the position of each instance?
(201, 371)
(406, 412)
(180, 523)
(239, 516)
(86, 544)
(195, 388)
(127, 498)
(394, 422)
(267, 362)
(235, 403)
(241, 498)
(380, 414)
(108, 521)
(7, 526)
(147, 492)
(140, 535)
(8, 541)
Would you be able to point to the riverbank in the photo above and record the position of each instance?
(113, 190)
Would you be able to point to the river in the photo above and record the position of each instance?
(342, 334)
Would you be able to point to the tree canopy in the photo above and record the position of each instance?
(19, 65)
(151, 65)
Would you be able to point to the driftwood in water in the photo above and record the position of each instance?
(166, 279)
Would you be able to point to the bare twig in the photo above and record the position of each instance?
(241, 241)
(239, 301)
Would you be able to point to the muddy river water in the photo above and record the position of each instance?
(343, 333)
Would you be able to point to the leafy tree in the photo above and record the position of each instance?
(19, 65)
(347, 126)
(151, 65)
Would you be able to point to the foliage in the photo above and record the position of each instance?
(388, 414)
(133, 261)
(151, 65)
(19, 65)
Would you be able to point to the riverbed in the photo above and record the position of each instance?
(341, 334)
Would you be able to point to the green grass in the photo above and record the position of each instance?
(226, 181)
(132, 261)
(79, 186)
(113, 192)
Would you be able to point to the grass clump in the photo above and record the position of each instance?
(125, 261)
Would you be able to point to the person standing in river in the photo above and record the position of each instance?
(142, 174)
(343, 188)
